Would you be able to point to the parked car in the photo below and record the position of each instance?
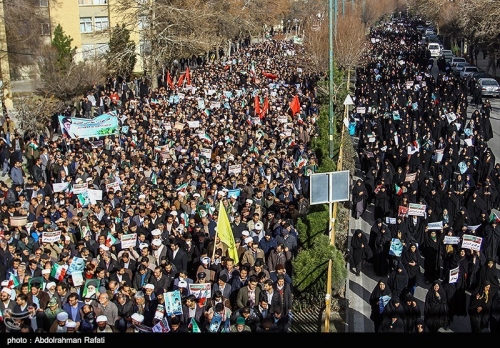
(468, 70)
(457, 68)
(489, 86)
(456, 60)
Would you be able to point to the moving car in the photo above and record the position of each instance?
(435, 49)
(489, 86)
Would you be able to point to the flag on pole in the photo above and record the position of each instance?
(256, 105)
(58, 271)
(226, 234)
(169, 81)
(13, 281)
(252, 70)
(399, 190)
(154, 178)
(270, 75)
(1, 315)
(193, 326)
(110, 240)
(265, 108)
(295, 105)
(188, 76)
(181, 80)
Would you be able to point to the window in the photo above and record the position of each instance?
(102, 49)
(101, 23)
(88, 51)
(45, 29)
(44, 3)
(85, 24)
(92, 2)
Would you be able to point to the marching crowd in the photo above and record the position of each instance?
(432, 183)
(233, 134)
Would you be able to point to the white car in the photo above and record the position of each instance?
(467, 70)
(455, 60)
(435, 49)
(489, 86)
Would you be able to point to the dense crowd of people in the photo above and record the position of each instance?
(432, 184)
(226, 134)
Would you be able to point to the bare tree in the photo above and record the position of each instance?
(25, 23)
(349, 42)
(71, 82)
(34, 113)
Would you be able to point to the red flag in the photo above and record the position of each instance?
(265, 107)
(188, 76)
(169, 81)
(181, 80)
(295, 105)
(256, 105)
(270, 76)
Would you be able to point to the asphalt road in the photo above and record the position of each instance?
(359, 288)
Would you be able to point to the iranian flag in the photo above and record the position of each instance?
(398, 190)
(205, 137)
(1, 315)
(301, 162)
(33, 145)
(110, 240)
(193, 326)
(182, 187)
(290, 143)
(13, 281)
(58, 271)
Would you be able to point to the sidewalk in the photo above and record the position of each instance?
(483, 65)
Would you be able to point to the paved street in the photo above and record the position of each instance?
(360, 288)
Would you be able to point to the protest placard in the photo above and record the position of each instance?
(235, 169)
(179, 126)
(435, 225)
(201, 291)
(60, 186)
(77, 278)
(396, 248)
(94, 195)
(77, 265)
(402, 211)
(361, 110)
(193, 124)
(173, 304)
(439, 155)
(51, 237)
(207, 153)
(128, 241)
(390, 221)
(282, 119)
(450, 117)
(471, 242)
(80, 188)
(451, 240)
(416, 209)
(16, 221)
(410, 177)
(115, 185)
(453, 275)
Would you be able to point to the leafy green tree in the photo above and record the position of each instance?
(121, 57)
(311, 265)
(62, 43)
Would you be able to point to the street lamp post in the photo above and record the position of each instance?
(331, 116)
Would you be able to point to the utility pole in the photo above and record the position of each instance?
(343, 8)
(331, 115)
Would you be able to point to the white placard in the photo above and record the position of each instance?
(193, 124)
(451, 240)
(128, 241)
(435, 225)
(235, 169)
(80, 188)
(51, 237)
(471, 242)
(94, 195)
(115, 185)
(59, 187)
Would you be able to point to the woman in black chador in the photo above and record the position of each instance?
(360, 251)
(436, 308)
(381, 289)
(412, 261)
(359, 197)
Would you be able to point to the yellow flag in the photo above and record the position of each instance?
(226, 234)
